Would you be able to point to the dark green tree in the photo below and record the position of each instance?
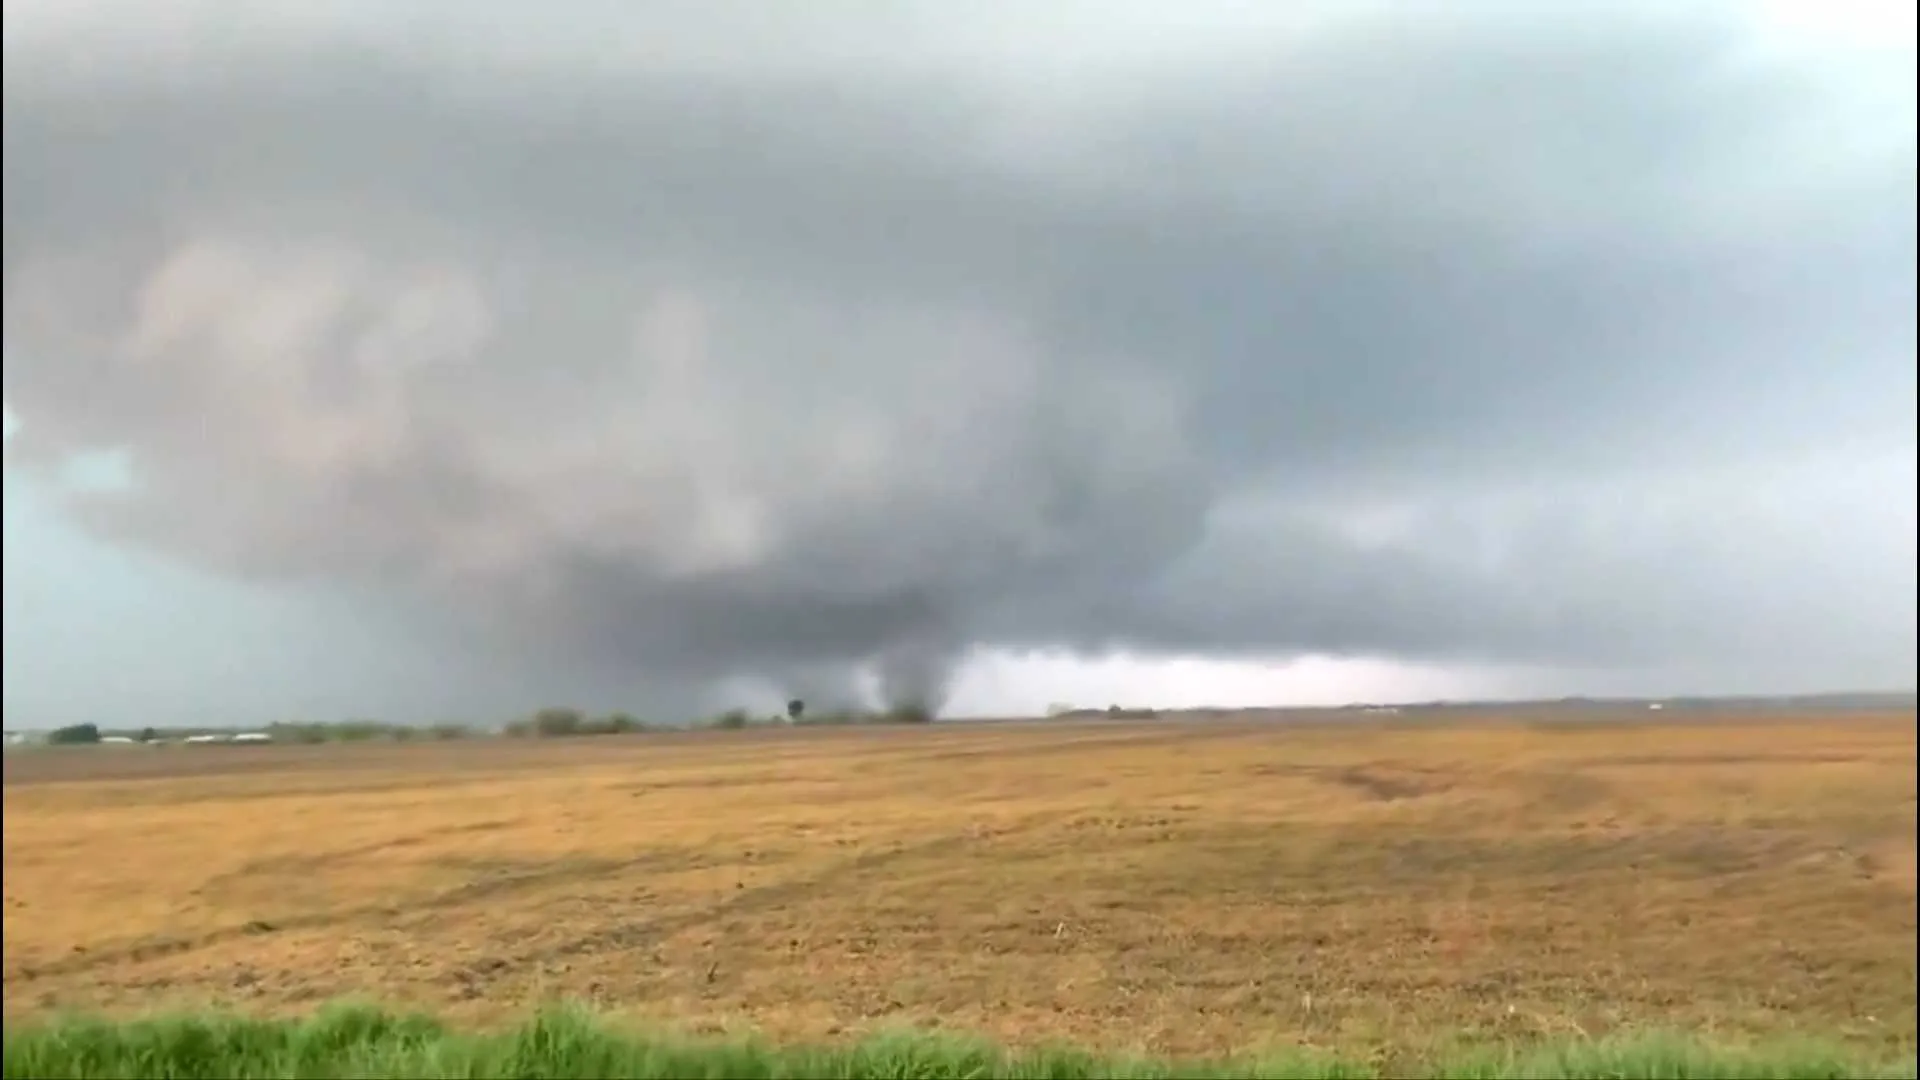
(552, 722)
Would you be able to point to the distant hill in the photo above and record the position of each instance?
(1839, 701)
(1834, 702)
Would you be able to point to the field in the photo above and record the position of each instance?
(1381, 890)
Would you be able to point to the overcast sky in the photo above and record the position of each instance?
(422, 358)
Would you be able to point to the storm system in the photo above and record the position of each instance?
(826, 345)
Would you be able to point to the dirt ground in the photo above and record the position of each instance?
(1168, 887)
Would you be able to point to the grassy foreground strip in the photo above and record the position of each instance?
(567, 1044)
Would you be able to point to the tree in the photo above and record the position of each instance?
(612, 724)
(795, 709)
(149, 735)
(75, 735)
(909, 712)
(557, 721)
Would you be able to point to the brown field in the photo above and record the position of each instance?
(1185, 888)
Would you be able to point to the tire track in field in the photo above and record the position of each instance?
(84, 960)
(1184, 733)
(476, 978)
(285, 865)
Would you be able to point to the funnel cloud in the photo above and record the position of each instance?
(670, 346)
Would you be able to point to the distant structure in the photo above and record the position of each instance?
(229, 737)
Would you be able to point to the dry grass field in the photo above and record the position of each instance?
(1175, 888)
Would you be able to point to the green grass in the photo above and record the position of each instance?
(568, 1044)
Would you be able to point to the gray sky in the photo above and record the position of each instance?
(418, 357)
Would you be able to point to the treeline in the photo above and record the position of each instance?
(297, 733)
(549, 723)
(563, 722)
(1111, 712)
(309, 734)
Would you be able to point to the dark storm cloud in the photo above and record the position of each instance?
(694, 370)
